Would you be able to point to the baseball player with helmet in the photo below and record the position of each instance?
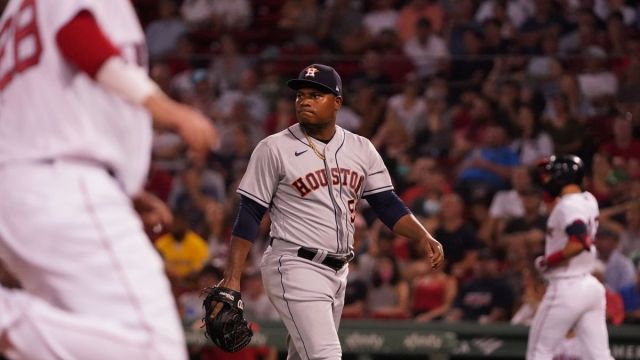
(310, 177)
(574, 298)
(76, 108)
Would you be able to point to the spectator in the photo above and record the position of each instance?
(249, 98)
(372, 73)
(604, 8)
(408, 107)
(232, 158)
(619, 270)
(391, 51)
(201, 94)
(617, 32)
(532, 142)
(544, 70)
(348, 119)
(523, 236)
(356, 292)
(469, 70)
(429, 183)
(494, 42)
(196, 192)
(567, 133)
(545, 18)
(301, 18)
(227, 66)
(597, 183)
(389, 295)
(457, 236)
(433, 295)
(163, 33)
(614, 302)
(596, 82)
(168, 150)
(257, 306)
(534, 288)
(584, 35)
(184, 252)
(489, 167)
(341, 29)
(623, 148)
(383, 16)
(281, 118)
(231, 15)
(190, 302)
(630, 235)
(507, 204)
(369, 105)
(517, 10)
(415, 10)
(427, 50)
(486, 298)
(435, 133)
(631, 296)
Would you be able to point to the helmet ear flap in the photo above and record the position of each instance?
(542, 171)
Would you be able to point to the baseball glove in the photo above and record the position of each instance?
(228, 329)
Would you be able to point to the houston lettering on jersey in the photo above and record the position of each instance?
(314, 180)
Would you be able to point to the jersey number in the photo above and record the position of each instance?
(26, 48)
(351, 204)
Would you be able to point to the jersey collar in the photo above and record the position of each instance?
(296, 130)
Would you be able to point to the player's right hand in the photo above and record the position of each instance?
(196, 131)
(435, 253)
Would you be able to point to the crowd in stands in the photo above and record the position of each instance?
(460, 97)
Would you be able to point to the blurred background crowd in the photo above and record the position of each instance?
(460, 97)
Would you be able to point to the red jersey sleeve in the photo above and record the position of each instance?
(83, 44)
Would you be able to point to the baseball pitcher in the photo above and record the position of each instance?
(310, 177)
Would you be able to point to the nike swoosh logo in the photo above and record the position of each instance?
(298, 153)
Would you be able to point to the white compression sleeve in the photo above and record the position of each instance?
(127, 80)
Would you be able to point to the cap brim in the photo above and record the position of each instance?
(297, 84)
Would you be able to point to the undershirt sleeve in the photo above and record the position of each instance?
(248, 220)
(388, 206)
(83, 44)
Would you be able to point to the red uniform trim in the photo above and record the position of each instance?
(82, 43)
(555, 258)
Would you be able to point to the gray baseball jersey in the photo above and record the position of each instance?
(313, 202)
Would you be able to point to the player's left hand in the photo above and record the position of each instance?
(224, 320)
(435, 253)
(154, 213)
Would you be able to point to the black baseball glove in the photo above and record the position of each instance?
(228, 329)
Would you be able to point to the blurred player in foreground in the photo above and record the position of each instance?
(75, 133)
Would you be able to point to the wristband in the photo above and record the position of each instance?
(555, 258)
(129, 81)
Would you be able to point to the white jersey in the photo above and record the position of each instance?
(572, 207)
(313, 202)
(49, 109)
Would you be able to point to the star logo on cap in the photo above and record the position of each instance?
(311, 72)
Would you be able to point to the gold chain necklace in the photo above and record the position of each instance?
(313, 146)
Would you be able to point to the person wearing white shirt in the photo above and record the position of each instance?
(426, 50)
